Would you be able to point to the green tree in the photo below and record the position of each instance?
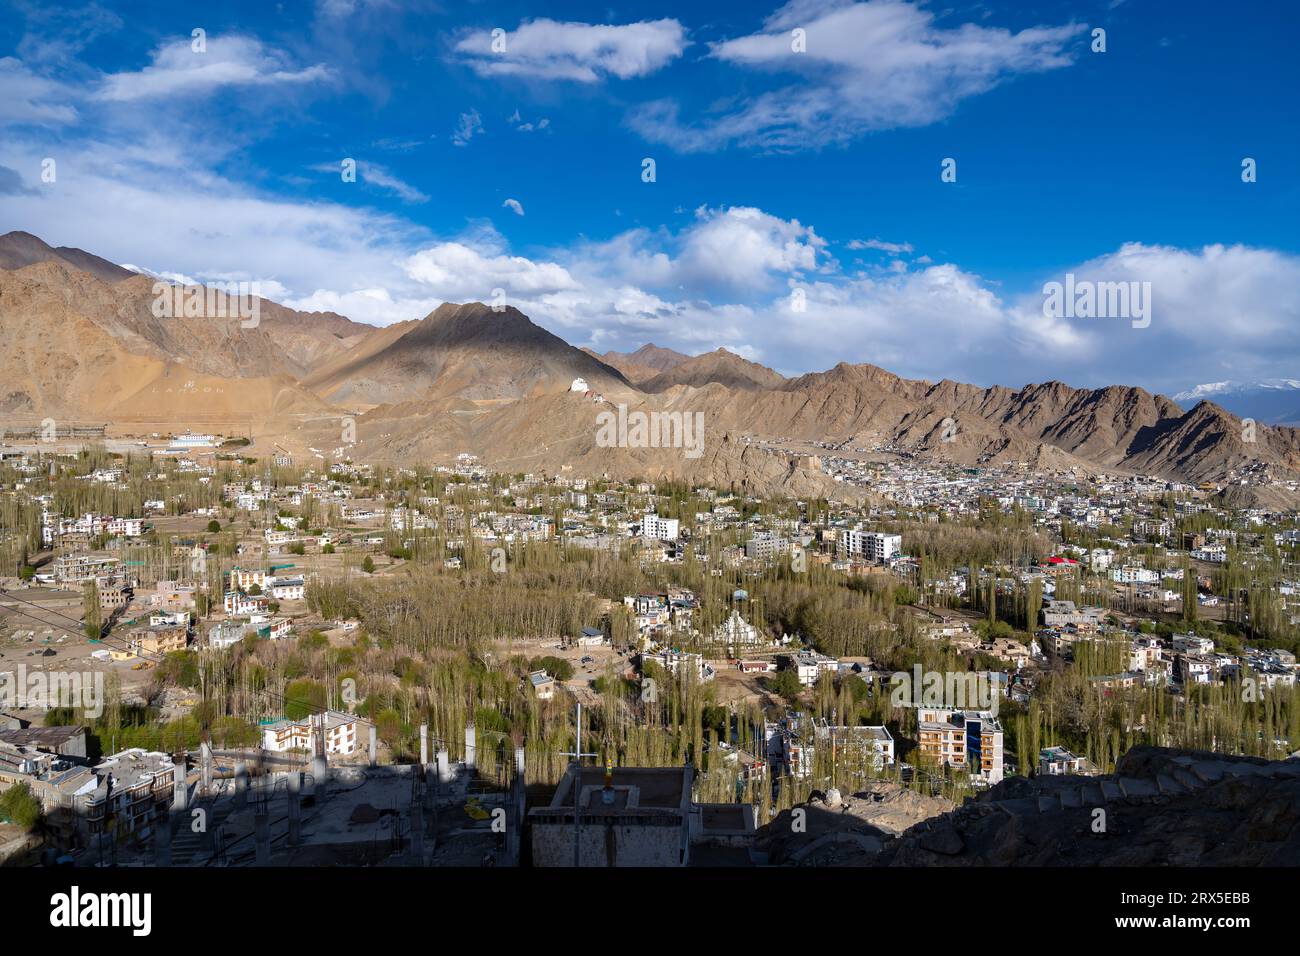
(786, 683)
(90, 605)
(19, 807)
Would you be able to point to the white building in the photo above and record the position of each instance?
(809, 665)
(765, 545)
(870, 545)
(1134, 575)
(674, 661)
(339, 730)
(288, 589)
(661, 529)
(735, 631)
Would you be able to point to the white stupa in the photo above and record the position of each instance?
(579, 385)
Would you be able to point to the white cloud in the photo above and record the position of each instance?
(725, 278)
(582, 52)
(868, 66)
(462, 272)
(381, 178)
(186, 221)
(743, 247)
(470, 124)
(177, 70)
(376, 306)
(29, 98)
(515, 205)
(1216, 312)
(893, 248)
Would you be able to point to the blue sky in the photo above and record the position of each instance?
(797, 214)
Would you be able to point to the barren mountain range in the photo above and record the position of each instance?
(83, 343)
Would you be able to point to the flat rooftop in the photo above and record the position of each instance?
(658, 787)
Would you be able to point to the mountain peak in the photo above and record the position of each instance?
(19, 249)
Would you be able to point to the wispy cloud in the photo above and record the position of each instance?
(515, 206)
(876, 65)
(581, 52)
(32, 99)
(178, 69)
(467, 128)
(381, 178)
(894, 248)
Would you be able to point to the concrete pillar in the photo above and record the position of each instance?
(320, 772)
(205, 757)
(180, 789)
(444, 768)
(241, 784)
(295, 807)
(471, 754)
(424, 747)
(374, 745)
(517, 801)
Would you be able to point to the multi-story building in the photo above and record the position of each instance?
(1192, 644)
(338, 730)
(1134, 575)
(1062, 613)
(870, 545)
(809, 666)
(970, 740)
(242, 579)
(239, 603)
(288, 589)
(765, 545)
(661, 529)
(875, 744)
(676, 662)
(81, 566)
(135, 787)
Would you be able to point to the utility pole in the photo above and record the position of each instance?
(577, 756)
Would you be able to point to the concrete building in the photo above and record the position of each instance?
(60, 741)
(628, 816)
(678, 662)
(809, 666)
(872, 744)
(339, 729)
(661, 529)
(543, 684)
(870, 545)
(962, 739)
(1063, 613)
(765, 545)
(156, 641)
(1055, 761)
